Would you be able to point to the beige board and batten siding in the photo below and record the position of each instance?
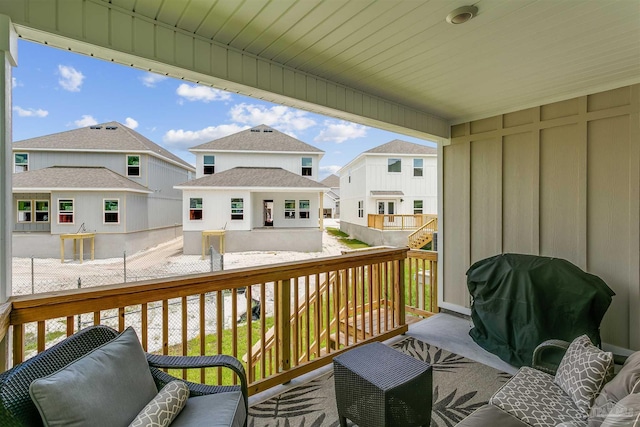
(559, 180)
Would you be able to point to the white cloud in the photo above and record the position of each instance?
(340, 131)
(86, 120)
(30, 112)
(151, 79)
(70, 78)
(130, 123)
(188, 138)
(201, 93)
(14, 82)
(285, 119)
(331, 169)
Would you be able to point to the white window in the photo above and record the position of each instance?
(349, 176)
(417, 167)
(111, 211)
(394, 165)
(289, 209)
(304, 208)
(195, 208)
(21, 162)
(24, 210)
(360, 209)
(237, 208)
(307, 166)
(133, 165)
(65, 211)
(209, 165)
(417, 207)
(42, 211)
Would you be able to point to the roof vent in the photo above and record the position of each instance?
(267, 130)
(111, 127)
(95, 127)
(255, 130)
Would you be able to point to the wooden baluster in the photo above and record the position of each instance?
(18, 344)
(363, 321)
(263, 330)
(41, 336)
(401, 299)
(307, 319)
(352, 283)
(219, 327)
(203, 333)
(234, 327)
(284, 326)
(185, 338)
(165, 326)
(295, 323)
(70, 326)
(250, 365)
(277, 322)
(121, 319)
(96, 317)
(327, 308)
(318, 315)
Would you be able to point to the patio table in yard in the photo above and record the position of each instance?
(379, 386)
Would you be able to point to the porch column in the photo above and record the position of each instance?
(321, 210)
(9, 49)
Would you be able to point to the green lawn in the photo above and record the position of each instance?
(344, 238)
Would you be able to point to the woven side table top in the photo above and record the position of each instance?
(379, 386)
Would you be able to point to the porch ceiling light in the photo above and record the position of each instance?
(462, 14)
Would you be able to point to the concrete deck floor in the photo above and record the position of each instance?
(447, 331)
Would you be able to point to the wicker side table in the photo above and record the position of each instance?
(379, 386)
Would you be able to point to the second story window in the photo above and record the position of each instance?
(42, 211)
(133, 165)
(394, 165)
(237, 208)
(304, 208)
(209, 163)
(21, 162)
(360, 209)
(111, 211)
(417, 167)
(307, 166)
(195, 208)
(65, 211)
(289, 209)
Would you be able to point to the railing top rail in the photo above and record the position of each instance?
(30, 308)
(422, 254)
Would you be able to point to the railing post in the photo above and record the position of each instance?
(284, 326)
(400, 296)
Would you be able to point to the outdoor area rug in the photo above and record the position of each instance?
(460, 386)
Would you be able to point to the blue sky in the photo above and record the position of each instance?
(56, 90)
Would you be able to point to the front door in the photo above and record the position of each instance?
(268, 213)
(386, 207)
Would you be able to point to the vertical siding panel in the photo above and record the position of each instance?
(219, 61)
(277, 79)
(202, 56)
(165, 44)
(559, 192)
(520, 195)
(249, 71)
(610, 217)
(634, 226)
(144, 38)
(300, 86)
(486, 199)
(321, 92)
(332, 98)
(264, 75)
(311, 89)
(184, 52)
(234, 66)
(41, 15)
(456, 222)
(289, 83)
(96, 23)
(340, 98)
(70, 16)
(121, 29)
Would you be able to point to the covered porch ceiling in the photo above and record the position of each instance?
(397, 65)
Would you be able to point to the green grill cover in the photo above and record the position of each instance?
(521, 300)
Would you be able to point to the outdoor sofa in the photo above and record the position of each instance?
(580, 390)
(100, 377)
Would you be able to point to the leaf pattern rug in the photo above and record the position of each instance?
(460, 386)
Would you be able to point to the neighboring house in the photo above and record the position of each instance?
(260, 186)
(106, 179)
(386, 189)
(331, 205)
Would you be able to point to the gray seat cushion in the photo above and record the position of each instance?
(489, 415)
(533, 397)
(213, 410)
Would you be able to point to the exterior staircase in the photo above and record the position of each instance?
(423, 235)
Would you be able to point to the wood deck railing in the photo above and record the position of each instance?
(397, 222)
(310, 311)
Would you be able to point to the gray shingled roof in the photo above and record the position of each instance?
(387, 193)
(402, 147)
(77, 178)
(331, 181)
(254, 177)
(259, 138)
(112, 136)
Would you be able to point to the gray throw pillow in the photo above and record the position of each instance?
(627, 381)
(583, 371)
(106, 387)
(625, 413)
(163, 408)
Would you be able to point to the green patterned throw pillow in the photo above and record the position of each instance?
(163, 408)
